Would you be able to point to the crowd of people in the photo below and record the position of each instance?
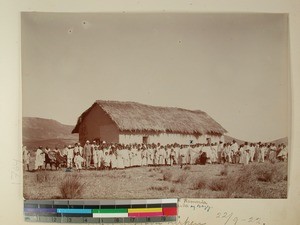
(107, 156)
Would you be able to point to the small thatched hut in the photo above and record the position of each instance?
(131, 122)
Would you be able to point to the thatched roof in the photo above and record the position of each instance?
(132, 116)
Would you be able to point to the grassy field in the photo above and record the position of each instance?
(265, 180)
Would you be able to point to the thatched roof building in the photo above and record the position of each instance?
(134, 118)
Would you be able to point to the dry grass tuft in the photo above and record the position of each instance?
(44, 177)
(167, 175)
(187, 167)
(181, 178)
(155, 169)
(199, 183)
(224, 171)
(270, 172)
(251, 181)
(218, 185)
(152, 175)
(172, 189)
(158, 188)
(71, 187)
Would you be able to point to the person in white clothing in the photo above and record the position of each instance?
(273, 150)
(176, 150)
(162, 155)
(70, 156)
(39, 158)
(120, 160)
(107, 161)
(144, 156)
(182, 156)
(150, 153)
(168, 155)
(78, 160)
(26, 157)
(252, 152)
(214, 153)
(133, 161)
(244, 152)
(113, 160)
(156, 157)
(95, 154)
(139, 157)
(263, 150)
(76, 149)
(126, 157)
(234, 152)
(80, 148)
(283, 154)
(99, 156)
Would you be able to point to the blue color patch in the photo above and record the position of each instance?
(74, 211)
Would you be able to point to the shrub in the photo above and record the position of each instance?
(218, 185)
(158, 188)
(156, 169)
(187, 168)
(251, 181)
(181, 178)
(71, 187)
(152, 175)
(172, 189)
(167, 175)
(224, 171)
(269, 172)
(266, 176)
(199, 183)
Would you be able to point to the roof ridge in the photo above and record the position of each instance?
(138, 103)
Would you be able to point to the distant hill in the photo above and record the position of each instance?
(277, 141)
(281, 140)
(228, 139)
(46, 132)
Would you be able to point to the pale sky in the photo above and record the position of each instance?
(232, 66)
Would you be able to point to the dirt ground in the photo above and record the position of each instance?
(193, 181)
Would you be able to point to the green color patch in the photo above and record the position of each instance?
(110, 210)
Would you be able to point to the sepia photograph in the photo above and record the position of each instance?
(155, 105)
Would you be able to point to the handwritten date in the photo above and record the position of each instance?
(230, 218)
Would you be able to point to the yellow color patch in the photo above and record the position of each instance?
(140, 210)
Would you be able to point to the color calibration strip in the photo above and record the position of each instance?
(100, 211)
